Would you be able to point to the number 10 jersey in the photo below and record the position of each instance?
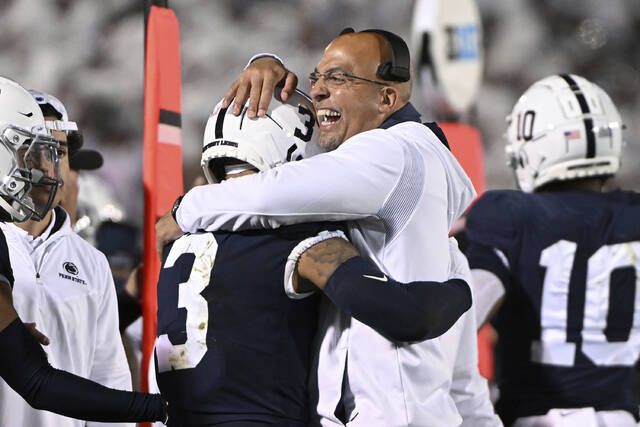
(569, 326)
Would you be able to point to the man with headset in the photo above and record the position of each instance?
(401, 189)
(226, 326)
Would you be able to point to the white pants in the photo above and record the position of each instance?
(582, 417)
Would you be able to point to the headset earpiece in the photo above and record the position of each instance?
(396, 70)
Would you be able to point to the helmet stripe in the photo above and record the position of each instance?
(220, 123)
(584, 107)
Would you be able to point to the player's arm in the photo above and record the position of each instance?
(7, 311)
(490, 278)
(488, 294)
(492, 232)
(413, 311)
(24, 366)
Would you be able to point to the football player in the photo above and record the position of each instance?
(232, 347)
(559, 263)
(28, 158)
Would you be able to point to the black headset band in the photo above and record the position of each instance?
(396, 70)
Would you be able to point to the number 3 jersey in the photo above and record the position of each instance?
(569, 325)
(232, 346)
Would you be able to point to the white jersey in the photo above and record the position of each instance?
(65, 285)
(402, 189)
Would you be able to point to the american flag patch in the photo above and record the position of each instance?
(571, 134)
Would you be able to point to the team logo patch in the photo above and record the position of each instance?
(70, 268)
(73, 271)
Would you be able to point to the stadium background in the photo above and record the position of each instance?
(90, 54)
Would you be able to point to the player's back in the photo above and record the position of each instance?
(569, 325)
(232, 347)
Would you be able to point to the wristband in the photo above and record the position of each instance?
(175, 207)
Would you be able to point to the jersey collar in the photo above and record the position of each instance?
(409, 114)
(406, 114)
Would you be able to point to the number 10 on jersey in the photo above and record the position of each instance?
(553, 347)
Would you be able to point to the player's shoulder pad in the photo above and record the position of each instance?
(495, 216)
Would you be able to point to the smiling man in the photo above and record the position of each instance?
(347, 102)
(400, 188)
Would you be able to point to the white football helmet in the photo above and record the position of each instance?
(28, 156)
(285, 133)
(563, 127)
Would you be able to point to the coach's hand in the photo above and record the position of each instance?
(167, 230)
(257, 83)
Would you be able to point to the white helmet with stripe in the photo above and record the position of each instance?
(235, 143)
(28, 156)
(563, 127)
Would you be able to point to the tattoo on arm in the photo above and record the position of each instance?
(320, 261)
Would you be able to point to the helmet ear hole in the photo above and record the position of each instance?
(216, 166)
(216, 170)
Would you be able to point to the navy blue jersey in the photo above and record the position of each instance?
(6, 272)
(232, 347)
(569, 325)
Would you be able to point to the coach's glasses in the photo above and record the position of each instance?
(334, 78)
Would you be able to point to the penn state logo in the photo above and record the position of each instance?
(70, 268)
(72, 271)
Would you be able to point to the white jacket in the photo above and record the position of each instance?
(402, 190)
(64, 285)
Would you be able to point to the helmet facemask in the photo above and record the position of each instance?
(30, 171)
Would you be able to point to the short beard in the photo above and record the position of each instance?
(331, 144)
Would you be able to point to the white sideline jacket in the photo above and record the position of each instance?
(78, 312)
(401, 189)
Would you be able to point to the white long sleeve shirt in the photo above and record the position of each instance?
(64, 285)
(401, 190)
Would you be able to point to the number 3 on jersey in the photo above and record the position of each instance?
(173, 351)
(553, 347)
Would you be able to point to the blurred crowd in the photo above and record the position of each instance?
(91, 55)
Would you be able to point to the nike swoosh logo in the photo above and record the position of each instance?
(381, 279)
(26, 114)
